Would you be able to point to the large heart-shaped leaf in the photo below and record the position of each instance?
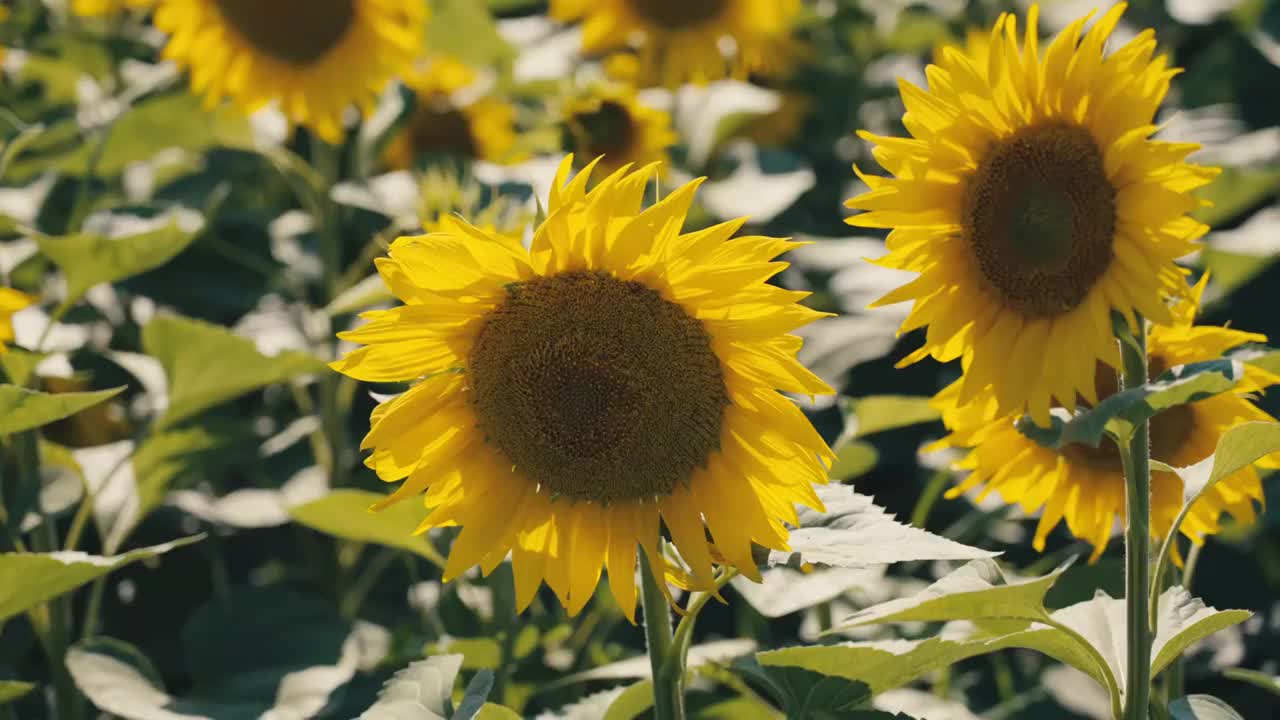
(346, 514)
(88, 259)
(206, 365)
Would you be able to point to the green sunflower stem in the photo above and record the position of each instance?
(668, 680)
(1136, 456)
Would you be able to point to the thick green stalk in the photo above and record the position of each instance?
(1135, 453)
(668, 690)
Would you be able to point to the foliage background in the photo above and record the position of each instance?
(102, 143)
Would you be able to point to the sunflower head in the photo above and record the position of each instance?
(1033, 203)
(619, 376)
(1085, 485)
(683, 40)
(608, 122)
(444, 123)
(314, 59)
(11, 301)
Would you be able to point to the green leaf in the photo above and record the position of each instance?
(1234, 191)
(878, 413)
(14, 147)
(855, 532)
(464, 29)
(631, 703)
(1270, 683)
(881, 664)
(346, 514)
(478, 653)
(19, 364)
(806, 694)
(1121, 411)
(206, 364)
(1183, 621)
(11, 690)
(88, 259)
(854, 460)
(1202, 707)
(421, 690)
(977, 591)
(159, 123)
(493, 711)
(475, 695)
(22, 409)
(119, 680)
(29, 579)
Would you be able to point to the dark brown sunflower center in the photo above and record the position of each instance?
(293, 31)
(608, 131)
(597, 388)
(435, 128)
(677, 14)
(1170, 429)
(1040, 216)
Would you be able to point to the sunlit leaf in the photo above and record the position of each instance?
(877, 413)
(421, 690)
(464, 29)
(855, 532)
(853, 460)
(492, 711)
(22, 409)
(206, 364)
(804, 693)
(29, 579)
(11, 690)
(346, 514)
(1270, 683)
(978, 590)
(88, 259)
(1202, 707)
(117, 679)
(639, 668)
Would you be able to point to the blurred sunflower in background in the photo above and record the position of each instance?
(609, 121)
(1085, 485)
(315, 59)
(685, 40)
(1033, 203)
(442, 123)
(445, 198)
(616, 375)
(11, 301)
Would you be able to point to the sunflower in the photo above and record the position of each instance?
(608, 121)
(11, 301)
(1086, 485)
(1033, 203)
(682, 40)
(616, 375)
(441, 124)
(315, 58)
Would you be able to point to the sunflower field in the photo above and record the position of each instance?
(630, 359)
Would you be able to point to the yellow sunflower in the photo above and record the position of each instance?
(572, 396)
(315, 58)
(1085, 485)
(482, 129)
(608, 121)
(684, 40)
(11, 301)
(1033, 203)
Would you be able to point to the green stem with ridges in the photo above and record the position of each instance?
(1135, 452)
(668, 693)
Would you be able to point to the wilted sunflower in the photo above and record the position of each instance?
(573, 395)
(683, 40)
(443, 124)
(1033, 204)
(1086, 485)
(11, 301)
(608, 121)
(315, 58)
